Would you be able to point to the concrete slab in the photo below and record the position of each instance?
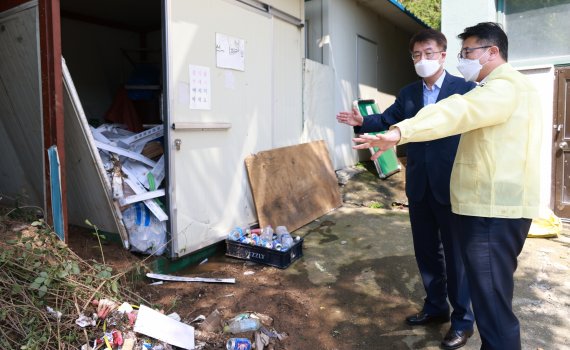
(363, 258)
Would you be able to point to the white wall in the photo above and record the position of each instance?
(318, 104)
(543, 78)
(456, 16)
(343, 21)
(314, 30)
(262, 104)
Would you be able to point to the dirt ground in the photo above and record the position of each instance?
(356, 281)
(296, 307)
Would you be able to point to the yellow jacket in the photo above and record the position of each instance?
(496, 170)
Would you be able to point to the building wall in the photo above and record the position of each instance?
(261, 103)
(455, 17)
(21, 123)
(343, 22)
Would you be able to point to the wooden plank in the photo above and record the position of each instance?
(52, 97)
(293, 185)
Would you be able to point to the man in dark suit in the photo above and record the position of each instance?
(428, 173)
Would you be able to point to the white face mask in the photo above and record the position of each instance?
(470, 68)
(427, 68)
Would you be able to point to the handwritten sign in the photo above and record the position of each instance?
(200, 87)
(230, 52)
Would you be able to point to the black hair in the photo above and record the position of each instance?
(426, 35)
(488, 33)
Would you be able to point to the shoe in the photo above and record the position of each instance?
(423, 318)
(455, 339)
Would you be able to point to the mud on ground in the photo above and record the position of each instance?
(356, 281)
(297, 307)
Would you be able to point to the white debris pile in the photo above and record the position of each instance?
(135, 165)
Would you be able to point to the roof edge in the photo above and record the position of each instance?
(402, 8)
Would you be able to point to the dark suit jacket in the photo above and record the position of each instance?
(428, 163)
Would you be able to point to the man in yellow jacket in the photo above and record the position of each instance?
(495, 179)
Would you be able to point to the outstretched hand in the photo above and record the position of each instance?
(381, 141)
(352, 118)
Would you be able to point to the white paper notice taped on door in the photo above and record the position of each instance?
(230, 52)
(200, 85)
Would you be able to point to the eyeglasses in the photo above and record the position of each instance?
(467, 50)
(416, 56)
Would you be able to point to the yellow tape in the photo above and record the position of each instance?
(107, 343)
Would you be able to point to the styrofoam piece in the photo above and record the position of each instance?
(117, 184)
(126, 153)
(142, 197)
(139, 189)
(98, 135)
(144, 136)
(139, 170)
(159, 326)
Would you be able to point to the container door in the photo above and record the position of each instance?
(561, 151)
(218, 102)
(21, 126)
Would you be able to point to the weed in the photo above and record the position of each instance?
(375, 205)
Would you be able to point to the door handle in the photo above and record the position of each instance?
(563, 145)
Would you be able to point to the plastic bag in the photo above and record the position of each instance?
(548, 225)
(147, 234)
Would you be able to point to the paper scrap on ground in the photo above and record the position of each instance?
(159, 276)
(159, 326)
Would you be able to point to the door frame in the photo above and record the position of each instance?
(49, 22)
(558, 131)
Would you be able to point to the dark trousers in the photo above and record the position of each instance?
(439, 261)
(490, 247)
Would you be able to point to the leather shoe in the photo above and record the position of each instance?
(423, 318)
(455, 339)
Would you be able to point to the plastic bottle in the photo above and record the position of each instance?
(279, 230)
(286, 241)
(267, 233)
(236, 234)
(238, 344)
(284, 238)
(243, 325)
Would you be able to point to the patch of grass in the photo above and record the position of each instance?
(40, 273)
(375, 205)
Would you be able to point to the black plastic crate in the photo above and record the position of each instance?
(264, 255)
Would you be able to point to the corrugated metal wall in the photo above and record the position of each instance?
(21, 141)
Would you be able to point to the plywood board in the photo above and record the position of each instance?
(293, 185)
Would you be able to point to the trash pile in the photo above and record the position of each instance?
(52, 299)
(126, 327)
(45, 288)
(279, 240)
(135, 165)
(259, 328)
